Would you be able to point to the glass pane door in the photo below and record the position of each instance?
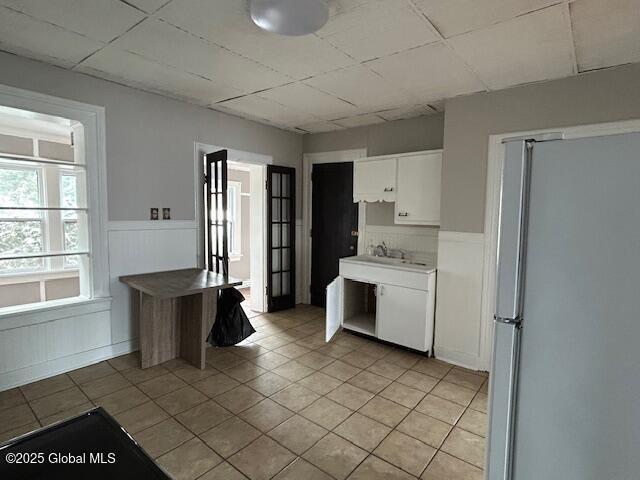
(281, 237)
(217, 208)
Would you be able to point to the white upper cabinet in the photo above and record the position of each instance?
(418, 189)
(374, 180)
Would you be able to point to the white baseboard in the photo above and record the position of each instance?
(50, 368)
(455, 357)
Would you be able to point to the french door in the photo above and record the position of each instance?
(216, 207)
(281, 202)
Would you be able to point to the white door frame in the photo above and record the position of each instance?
(258, 203)
(492, 211)
(308, 160)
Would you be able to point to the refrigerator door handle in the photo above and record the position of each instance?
(512, 234)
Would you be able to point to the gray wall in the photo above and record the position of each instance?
(420, 133)
(604, 96)
(150, 138)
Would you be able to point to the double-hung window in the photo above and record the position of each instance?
(44, 236)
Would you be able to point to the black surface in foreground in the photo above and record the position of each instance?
(92, 445)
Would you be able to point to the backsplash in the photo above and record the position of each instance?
(421, 243)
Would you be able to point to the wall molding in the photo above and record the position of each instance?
(458, 328)
(57, 366)
(123, 225)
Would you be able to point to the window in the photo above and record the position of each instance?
(44, 236)
(234, 220)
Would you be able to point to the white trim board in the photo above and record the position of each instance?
(492, 206)
(459, 295)
(308, 160)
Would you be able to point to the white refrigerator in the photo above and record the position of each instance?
(565, 387)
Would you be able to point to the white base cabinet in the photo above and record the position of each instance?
(367, 304)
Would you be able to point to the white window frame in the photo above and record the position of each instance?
(63, 221)
(89, 135)
(42, 218)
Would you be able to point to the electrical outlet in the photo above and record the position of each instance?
(153, 213)
(166, 214)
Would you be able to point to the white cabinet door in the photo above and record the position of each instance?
(335, 307)
(402, 316)
(374, 180)
(418, 195)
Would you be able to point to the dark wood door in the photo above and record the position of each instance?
(217, 230)
(334, 226)
(281, 263)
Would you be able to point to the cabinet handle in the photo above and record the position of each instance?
(388, 189)
(403, 214)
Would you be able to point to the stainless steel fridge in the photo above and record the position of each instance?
(565, 387)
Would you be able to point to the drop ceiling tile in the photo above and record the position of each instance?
(303, 97)
(406, 112)
(375, 29)
(227, 23)
(606, 33)
(256, 107)
(539, 47)
(101, 20)
(359, 121)
(319, 127)
(134, 70)
(461, 16)
(168, 44)
(429, 73)
(148, 6)
(360, 86)
(24, 35)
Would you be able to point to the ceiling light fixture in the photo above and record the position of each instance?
(290, 17)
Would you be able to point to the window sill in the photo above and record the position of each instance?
(33, 313)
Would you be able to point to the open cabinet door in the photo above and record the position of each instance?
(216, 204)
(334, 307)
(281, 262)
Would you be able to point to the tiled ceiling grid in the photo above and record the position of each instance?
(374, 61)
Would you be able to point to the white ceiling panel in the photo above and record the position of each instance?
(319, 127)
(308, 99)
(379, 28)
(137, 71)
(606, 33)
(453, 17)
(361, 87)
(254, 106)
(359, 121)
(101, 20)
(429, 73)
(23, 35)
(227, 23)
(406, 112)
(168, 44)
(148, 6)
(539, 48)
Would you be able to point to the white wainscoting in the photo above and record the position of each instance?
(420, 242)
(459, 299)
(142, 247)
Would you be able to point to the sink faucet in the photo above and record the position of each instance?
(381, 250)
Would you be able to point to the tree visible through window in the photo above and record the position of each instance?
(21, 231)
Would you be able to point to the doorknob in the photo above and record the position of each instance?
(351, 247)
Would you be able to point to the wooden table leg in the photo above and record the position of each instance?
(159, 331)
(196, 318)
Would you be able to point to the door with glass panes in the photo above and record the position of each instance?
(280, 237)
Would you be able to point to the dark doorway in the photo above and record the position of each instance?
(216, 212)
(334, 224)
(281, 263)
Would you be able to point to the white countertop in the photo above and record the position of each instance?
(390, 263)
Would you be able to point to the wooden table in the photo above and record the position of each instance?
(176, 310)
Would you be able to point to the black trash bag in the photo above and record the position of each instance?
(232, 325)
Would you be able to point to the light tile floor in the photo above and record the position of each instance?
(282, 405)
